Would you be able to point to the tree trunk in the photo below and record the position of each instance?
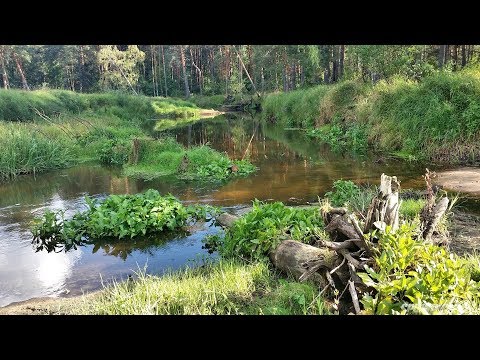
(341, 61)
(441, 56)
(385, 205)
(335, 63)
(464, 56)
(184, 71)
(152, 60)
(4, 69)
(246, 71)
(293, 77)
(200, 74)
(20, 71)
(164, 73)
(81, 70)
(455, 57)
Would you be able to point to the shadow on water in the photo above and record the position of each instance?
(292, 168)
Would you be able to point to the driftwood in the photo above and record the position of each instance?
(296, 258)
(385, 206)
(333, 263)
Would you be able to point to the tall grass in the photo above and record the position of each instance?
(436, 118)
(225, 287)
(22, 152)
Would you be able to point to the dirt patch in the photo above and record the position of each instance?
(48, 306)
(462, 180)
(464, 233)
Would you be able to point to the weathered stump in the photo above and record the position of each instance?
(385, 205)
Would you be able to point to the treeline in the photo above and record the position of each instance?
(181, 70)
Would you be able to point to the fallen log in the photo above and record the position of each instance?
(295, 258)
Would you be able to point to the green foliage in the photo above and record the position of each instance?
(410, 208)
(208, 102)
(349, 136)
(120, 68)
(165, 157)
(19, 105)
(436, 118)
(116, 217)
(412, 276)
(265, 226)
(115, 152)
(344, 191)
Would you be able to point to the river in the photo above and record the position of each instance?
(292, 169)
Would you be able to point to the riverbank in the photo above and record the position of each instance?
(465, 180)
(46, 130)
(436, 118)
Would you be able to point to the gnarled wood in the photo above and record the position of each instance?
(385, 205)
(434, 218)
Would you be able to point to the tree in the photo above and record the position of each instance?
(3, 65)
(184, 70)
(119, 69)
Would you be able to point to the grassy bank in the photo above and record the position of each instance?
(44, 130)
(224, 287)
(437, 118)
(25, 106)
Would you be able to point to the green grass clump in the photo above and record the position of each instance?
(265, 226)
(208, 102)
(19, 105)
(25, 152)
(116, 217)
(165, 157)
(435, 118)
(410, 208)
(221, 288)
(76, 127)
(343, 192)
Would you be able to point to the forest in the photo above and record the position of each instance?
(240, 179)
(182, 70)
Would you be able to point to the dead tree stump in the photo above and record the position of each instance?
(383, 210)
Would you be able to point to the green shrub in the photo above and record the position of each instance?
(116, 217)
(344, 191)
(410, 208)
(115, 152)
(412, 276)
(265, 226)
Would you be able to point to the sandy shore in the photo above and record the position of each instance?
(465, 180)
